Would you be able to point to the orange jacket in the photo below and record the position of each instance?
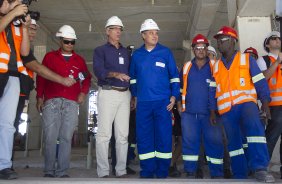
(234, 86)
(5, 50)
(183, 90)
(275, 86)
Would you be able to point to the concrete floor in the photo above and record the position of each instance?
(30, 171)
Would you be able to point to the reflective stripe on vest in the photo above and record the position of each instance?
(214, 160)
(190, 157)
(275, 85)
(234, 86)
(174, 80)
(6, 51)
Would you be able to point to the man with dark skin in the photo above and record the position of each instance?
(238, 82)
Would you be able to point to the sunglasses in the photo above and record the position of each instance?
(224, 39)
(69, 42)
(200, 48)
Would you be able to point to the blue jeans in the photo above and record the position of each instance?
(60, 117)
(274, 129)
(8, 108)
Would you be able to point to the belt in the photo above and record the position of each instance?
(119, 89)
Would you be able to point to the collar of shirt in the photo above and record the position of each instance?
(228, 64)
(111, 45)
(144, 48)
(273, 55)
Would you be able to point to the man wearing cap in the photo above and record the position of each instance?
(196, 110)
(270, 65)
(111, 67)
(252, 51)
(155, 86)
(59, 104)
(237, 83)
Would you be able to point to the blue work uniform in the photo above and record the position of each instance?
(154, 79)
(195, 122)
(243, 121)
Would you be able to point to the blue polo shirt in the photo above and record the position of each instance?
(107, 58)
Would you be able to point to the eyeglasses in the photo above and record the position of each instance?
(200, 48)
(69, 42)
(224, 39)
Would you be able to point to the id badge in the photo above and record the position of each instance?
(121, 60)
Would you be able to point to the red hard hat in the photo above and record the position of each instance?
(251, 50)
(228, 31)
(199, 38)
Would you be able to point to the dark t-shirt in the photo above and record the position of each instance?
(12, 65)
(30, 57)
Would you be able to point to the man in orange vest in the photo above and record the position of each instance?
(195, 116)
(14, 44)
(270, 65)
(237, 83)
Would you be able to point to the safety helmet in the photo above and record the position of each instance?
(268, 36)
(149, 24)
(199, 38)
(212, 50)
(252, 51)
(66, 31)
(228, 31)
(114, 21)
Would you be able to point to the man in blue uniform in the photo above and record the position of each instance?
(195, 123)
(155, 86)
(238, 82)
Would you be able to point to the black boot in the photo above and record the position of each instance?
(173, 171)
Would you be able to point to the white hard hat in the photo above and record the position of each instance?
(114, 21)
(149, 24)
(66, 31)
(271, 34)
(211, 49)
(33, 22)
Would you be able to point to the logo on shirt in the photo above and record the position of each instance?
(242, 82)
(160, 64)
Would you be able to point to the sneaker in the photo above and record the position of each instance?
(264, 176)
(130, 171)
(191, 175)
(123, 176)
(8, 174)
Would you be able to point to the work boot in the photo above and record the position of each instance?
(130, 171)
(227, 173)
(173, 171)
(8, 174)
(281, 172)
(264, 176)
(191, 175)
(199, 174)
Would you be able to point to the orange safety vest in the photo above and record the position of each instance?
(234, 86)
(275, 85)
(5, 50)
(183, 91)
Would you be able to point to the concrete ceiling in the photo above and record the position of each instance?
(178, 20)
